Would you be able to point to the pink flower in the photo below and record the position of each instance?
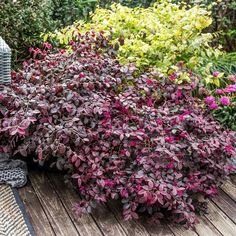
(62, 50)
(124, 193)
(170, 165)
(172, 76)
(209, 100)
(215, 73)
(109, 183)
(31, 50)
(230, 89)
(170, 139)
(225, 101)
(149, 102)
(122, 152)
(180, 193)
(229, 149)
(82, 75)
(159, 121)
(219, 91)
(231, 168)
(178, 93)
(149, 82)
(183, 134)
(132, 143)
(232, 78)
(214, 106)
(47, 45)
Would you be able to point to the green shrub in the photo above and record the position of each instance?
(66, 12)
(129, 3)
(22, 22)
(224, 22)
(25, 20)
(158, 36)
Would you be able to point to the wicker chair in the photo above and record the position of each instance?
(5, 63)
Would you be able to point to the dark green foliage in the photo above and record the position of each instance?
(224, 15)
(66, 12)
(25, 20)
(129, 3)
(22, 22)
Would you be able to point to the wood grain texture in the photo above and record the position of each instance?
(205, 227)
(138, 227)
(35, 211)
(49, 201)
(160, 230)
(233, 179)
(181, 231)
(107, 222)
(230, 189)
(85, 225)
(220, 220)
(226, 204)
(56, 213)
(134, 228)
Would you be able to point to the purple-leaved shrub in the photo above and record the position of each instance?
(143, 140)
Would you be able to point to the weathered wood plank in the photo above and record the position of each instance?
(226, 204)
(130, 227)
(49, 204)
(181, 231)
(35, 211)
(233, 179)
(107, 222)
(220, 220)
(158, 229)
(138, 227)
(206, 228)
(230, 189)
(56, 213)
(85, 225)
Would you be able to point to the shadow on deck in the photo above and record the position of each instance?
(49, 202)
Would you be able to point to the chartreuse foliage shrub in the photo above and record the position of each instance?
(144, 140)
(157, 36)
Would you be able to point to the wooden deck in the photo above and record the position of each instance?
(49, 202)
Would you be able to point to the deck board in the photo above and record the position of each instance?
(49, 202)
(230, 189)
(226, 204)
(35, 211)
(220, 220)
(56, 213)
(130, 227)
(205, 227)
(85, 225)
